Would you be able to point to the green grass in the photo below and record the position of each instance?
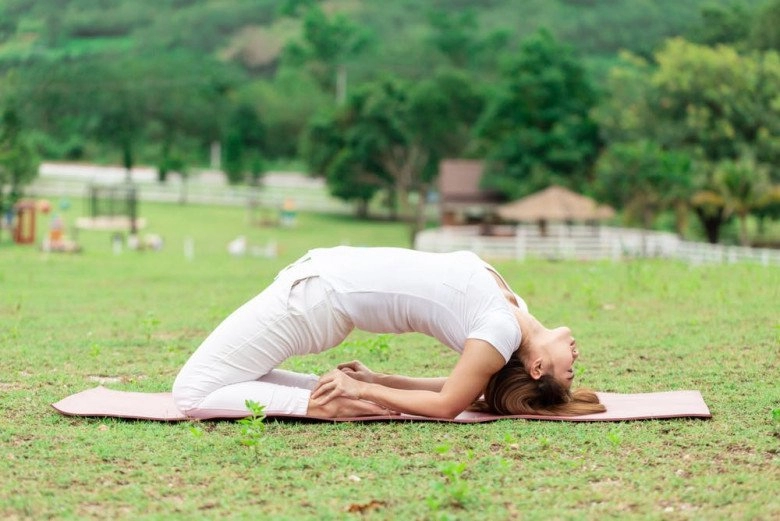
(68, 320)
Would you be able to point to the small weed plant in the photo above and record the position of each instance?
(253, 428)
(615, 437)
(150, 323)
(452, 490)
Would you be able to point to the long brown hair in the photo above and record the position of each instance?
(512, 391)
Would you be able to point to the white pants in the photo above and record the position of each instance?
(238, 360)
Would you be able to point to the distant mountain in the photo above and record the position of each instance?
(253, 32)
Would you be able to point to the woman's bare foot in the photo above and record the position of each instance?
(346, 408)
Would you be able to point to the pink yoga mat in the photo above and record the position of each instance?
(104, 402)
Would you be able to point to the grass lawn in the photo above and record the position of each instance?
(68, 322)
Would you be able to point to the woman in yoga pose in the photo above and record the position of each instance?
(507, 356)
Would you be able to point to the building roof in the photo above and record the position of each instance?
(555, 203)
(459, 182)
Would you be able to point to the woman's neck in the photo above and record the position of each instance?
(529, 329)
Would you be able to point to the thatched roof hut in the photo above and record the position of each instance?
(555, 204)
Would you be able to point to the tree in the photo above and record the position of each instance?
(625, 112)
(287, 104)
(721, 106)
(446, 106)
(637, 171)
(724, 24)
(396, 141)
(62, 100)
(332, 146)
(644, 179)
(186, 97)
(122, 123)
(407, 129)
(349, 179)
(712, 104)
(243, 145)
(764, 34)
(744, 186)
(172, 104)
(326, 45)
(169, 99)
(391, 135)
(456, 34)
(709, 205)
(102, 98)
(537, 131)
(769, 207)
(295, 7)
(18, 163)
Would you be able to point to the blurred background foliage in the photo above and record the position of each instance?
(641, 103)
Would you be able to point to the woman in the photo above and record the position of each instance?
(505, 353)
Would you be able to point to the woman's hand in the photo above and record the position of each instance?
(335, 384)
(355, 369)
(347, 408)
(435, 397)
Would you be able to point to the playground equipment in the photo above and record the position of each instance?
(283, 215)
(24, 222)
(287, 213)
(112, 207)
(57, 239)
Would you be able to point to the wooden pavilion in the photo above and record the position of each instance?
(555, 204)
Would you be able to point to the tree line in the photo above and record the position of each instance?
(692, 126)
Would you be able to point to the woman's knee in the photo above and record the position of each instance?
(186, 397)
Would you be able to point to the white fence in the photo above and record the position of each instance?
(585, 243)
(204, 188)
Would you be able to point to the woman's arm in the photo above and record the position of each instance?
(466, 382)
(358, 371)
(399, 381)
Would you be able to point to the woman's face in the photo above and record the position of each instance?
(560, 351)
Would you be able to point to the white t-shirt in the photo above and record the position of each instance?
(449, 296)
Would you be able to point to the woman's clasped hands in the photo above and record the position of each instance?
(346, 381)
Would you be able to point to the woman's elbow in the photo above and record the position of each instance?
(450, 411)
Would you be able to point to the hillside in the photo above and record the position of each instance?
(254, 32)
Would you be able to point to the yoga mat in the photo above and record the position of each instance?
(103, 402)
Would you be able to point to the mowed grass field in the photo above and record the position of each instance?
(68, 322)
